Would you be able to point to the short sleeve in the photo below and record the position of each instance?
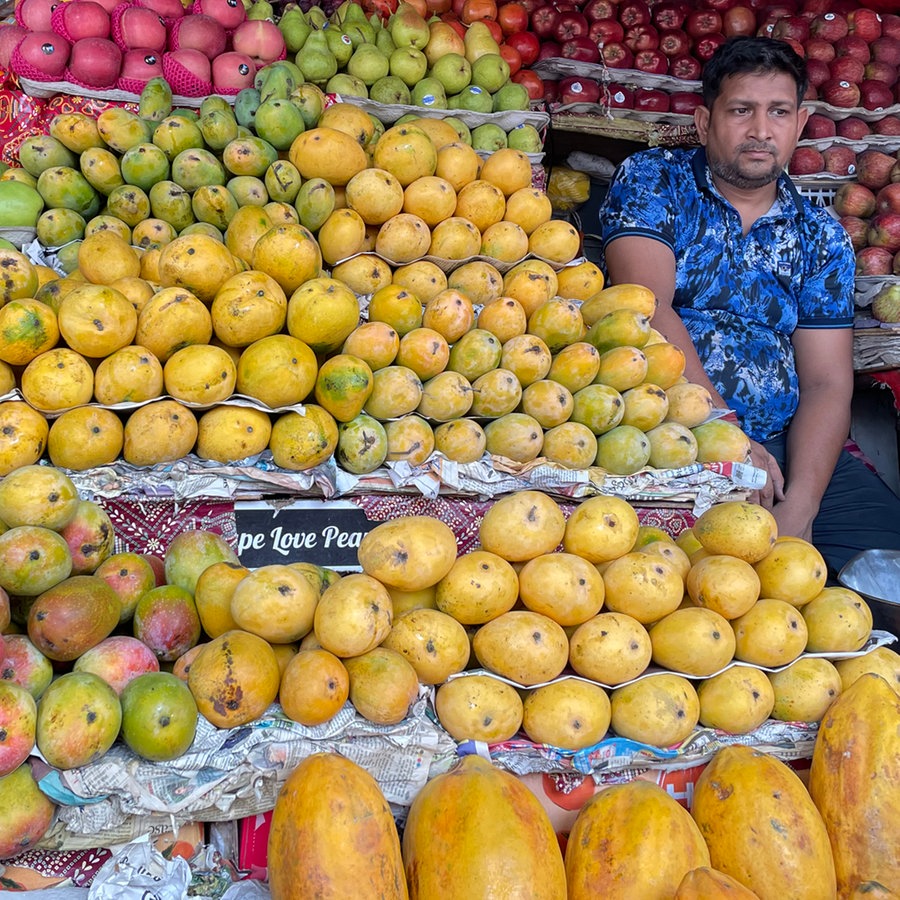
(826, 299)
(639, 200)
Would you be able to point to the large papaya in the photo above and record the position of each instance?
(632, 840)
(705, 883)
(854, 781)
(477, 831)
(762, 827)
(333, 835)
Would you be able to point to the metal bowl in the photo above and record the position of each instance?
(875, 574)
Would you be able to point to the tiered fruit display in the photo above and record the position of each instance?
(204, 264)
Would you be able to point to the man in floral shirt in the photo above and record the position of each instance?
(755, 285)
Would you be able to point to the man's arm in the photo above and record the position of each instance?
(819, 428)
(641, 260)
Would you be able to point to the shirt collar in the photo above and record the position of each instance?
(787, 193)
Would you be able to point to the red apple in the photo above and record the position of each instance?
(684, 102)
(95, 61)
(702, 21)
(193, 61)
(674, 42)
(528, 45)
(606, 31)
(853, 128)
(599, 9)
(794, 28)
(874, 168)
(199, 32)
(890, 25)
(652, 61)
(582, 49)
(884, 231)
(641, 37)
(35, 14)
(621, 97)
(888, 198)
(549, 50)
(579, 90)
(669, 15)
(617, 56)
(879, 70)
(10, 35)
(864, 22)
(512, 17)
(854, 199)
(839, 160)
(141, 65)
(79, 19)
(819, 126)
(139, 27)
(817, 72)
(738, 21)
(47, 51)
(813, 8)
(651, 100)
(853, 45)
(233, 71)
(829, 27)
(844, 94)
(532, 82)
(816, 48)
(858, 229)
(686, 67)
(229, 12)
(544, 20)
(875, 94)
(514, 59)
(886, 49)
(718, 5)
(887, 125)
(260, 39)
(706, 46)
(874, 261)
(846, 68)
(563, 6)
(570, 25)
(633, 12)
(806, 161)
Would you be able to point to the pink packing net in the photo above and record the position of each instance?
(25, 69)
(58, 24)
(182, 81)
(90, 87)
(119, 37)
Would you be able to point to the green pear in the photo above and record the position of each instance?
(359, 32)
(512, 96)
(408, 64)
(489, 137)
(526, 138)
(261, 9)
(408, 28)
(347, 85)
(474, 98)
(316, 17)
(368, 64)
(478, 41)
(315, 60)
(490, 71)
(294, 28)
(453, 71)
(339, 44)
(384, 42)
(429, 92)
(389, 89)
(463, 130)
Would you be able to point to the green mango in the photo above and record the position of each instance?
(248, 156)
(101, 168)
(278, 122)
(248, 190)
(128, 203)
(175, 134)
(66, 187)
(67, 257)
(314, 203)
(196, 167)
(218, 128)
(20, 205)
(171, 203)
(203, 228)
(144, 165)
(310, 100)
(246, 103)
(41, 151)
(121, 129)
(214, 204)
(155, 101)
(277, 85)
(282, 181)
(214, 103)
(56, 227)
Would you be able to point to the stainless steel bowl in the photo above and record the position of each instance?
(875, 574)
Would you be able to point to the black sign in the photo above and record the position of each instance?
(324, 532)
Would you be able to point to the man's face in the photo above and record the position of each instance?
(752, 129)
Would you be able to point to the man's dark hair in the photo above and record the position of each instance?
(752, 55)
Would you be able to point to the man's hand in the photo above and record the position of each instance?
(773, 490)
(793, 520)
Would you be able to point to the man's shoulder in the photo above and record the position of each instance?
(657, 159)
(823, 222)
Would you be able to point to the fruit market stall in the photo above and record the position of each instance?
(327, 446)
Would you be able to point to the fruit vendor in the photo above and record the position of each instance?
(755, 284)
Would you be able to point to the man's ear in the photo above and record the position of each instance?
(701, 122)
(802, 116)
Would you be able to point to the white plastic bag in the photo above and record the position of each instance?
(140, 872)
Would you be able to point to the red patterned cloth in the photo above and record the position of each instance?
(78, 866)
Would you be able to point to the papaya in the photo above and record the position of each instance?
(632, 840)
(333, 835)
(477, 831)
(762, 828)
(705, 883)
(854, 780)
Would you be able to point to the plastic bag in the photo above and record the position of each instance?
(140, 872)
(567, 189)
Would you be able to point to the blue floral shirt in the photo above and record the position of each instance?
(740, 297)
